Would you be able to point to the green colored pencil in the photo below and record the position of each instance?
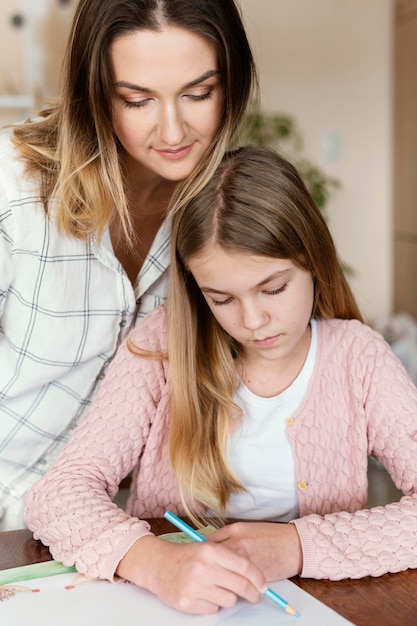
(36, 570)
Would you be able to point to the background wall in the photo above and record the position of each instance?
(33, 34)
(329, 63)
(405, 157)
(326, 62)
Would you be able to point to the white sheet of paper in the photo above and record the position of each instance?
(62, 601)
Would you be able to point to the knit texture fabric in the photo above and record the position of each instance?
(359, 401)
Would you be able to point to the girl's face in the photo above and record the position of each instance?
(169, 101)
(264, 303)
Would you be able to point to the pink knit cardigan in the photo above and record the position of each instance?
(360, 401)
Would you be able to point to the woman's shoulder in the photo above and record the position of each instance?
(7, 145)
(12, 167)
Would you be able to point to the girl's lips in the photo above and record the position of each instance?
(174, 155)
(267, 342)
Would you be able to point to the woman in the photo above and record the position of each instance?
(152, 91)
(257, 394)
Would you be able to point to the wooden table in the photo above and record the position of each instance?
(389, 600)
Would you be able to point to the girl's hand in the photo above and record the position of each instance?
(194, 578)
(274, 548)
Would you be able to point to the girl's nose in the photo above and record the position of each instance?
(254, 317)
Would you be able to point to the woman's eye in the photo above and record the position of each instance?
(134, 104)
(199, 97)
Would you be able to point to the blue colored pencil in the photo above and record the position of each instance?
(196, 536)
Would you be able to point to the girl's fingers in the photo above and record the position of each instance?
(212, 576)
(236, 573)
(194, 578)
(213, 598)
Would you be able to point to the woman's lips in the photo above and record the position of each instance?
(174, 155)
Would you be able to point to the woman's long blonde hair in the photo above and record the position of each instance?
(256, 203)
(73, 150)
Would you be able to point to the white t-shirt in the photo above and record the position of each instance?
(260, 453)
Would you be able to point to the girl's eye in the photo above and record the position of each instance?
(274, 292)
(222, 302)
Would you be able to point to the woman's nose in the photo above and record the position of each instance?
(172, 126)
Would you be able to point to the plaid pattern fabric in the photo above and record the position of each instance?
(65, 307)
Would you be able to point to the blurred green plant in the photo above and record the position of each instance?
(280, 131)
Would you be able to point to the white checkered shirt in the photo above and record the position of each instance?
(65, 307)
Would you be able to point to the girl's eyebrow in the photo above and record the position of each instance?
(211, 290)
(263, 282)
(273, 276)
(193, 83)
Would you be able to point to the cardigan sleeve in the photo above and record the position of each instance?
(382, 539)
(70, 509)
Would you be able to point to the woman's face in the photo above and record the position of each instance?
(169, 101)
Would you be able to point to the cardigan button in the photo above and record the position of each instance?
(289, 421)
(302, 485)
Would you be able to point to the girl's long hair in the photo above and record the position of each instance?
(72, 148)
(256, 203)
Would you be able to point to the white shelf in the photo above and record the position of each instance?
(16, 102)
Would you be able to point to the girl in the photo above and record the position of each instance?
(271, 396)
(152, 91)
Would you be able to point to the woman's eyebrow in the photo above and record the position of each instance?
(124, 83)
(193, 83)
(201, 78)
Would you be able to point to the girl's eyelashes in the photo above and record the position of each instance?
(221, 302)
(272, 292)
